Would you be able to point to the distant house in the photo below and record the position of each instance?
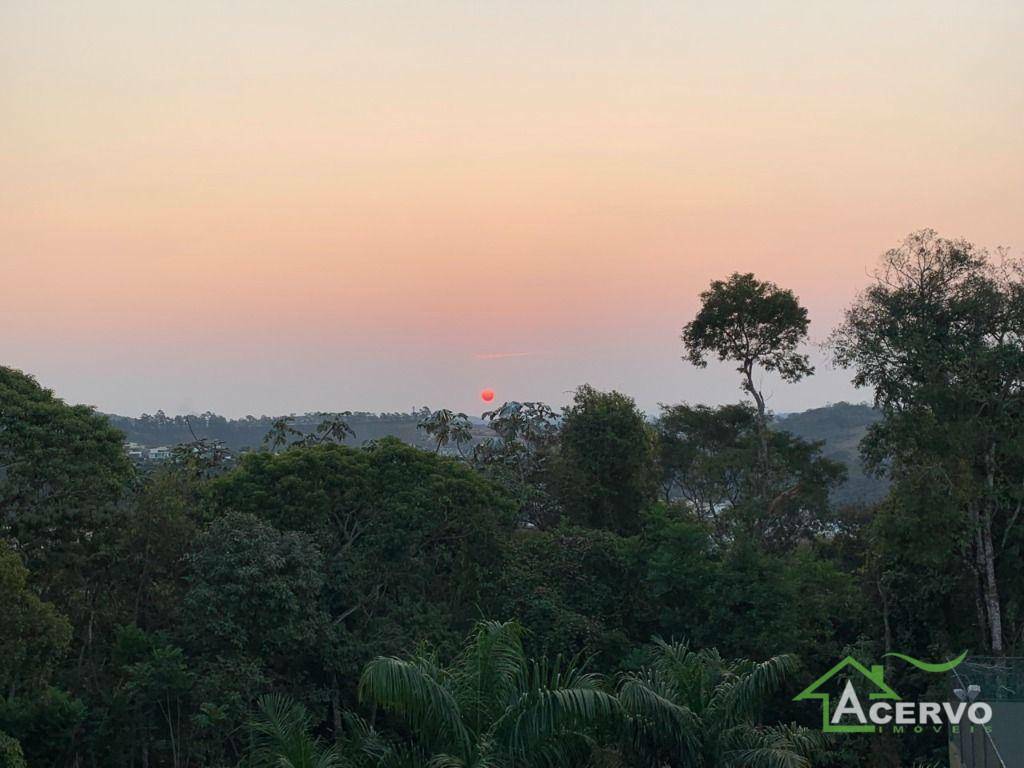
(135, 451)
(162, 453)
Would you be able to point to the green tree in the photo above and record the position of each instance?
(332, 428)
(253, 617)
(282, 434)
(939, 337)
(695, 709)
(159, 528)
(794, 601)
(689, 584)
(156, 689)
(47, 725)
(33, 635)
(254, 591)
(704, 455)
(568, 587)
(708, 460)
(408, 540)
(520, 458)
(493, 706)
(11, 755)
(755, 324)
(445, 427)
(63, 471)
(606, 472)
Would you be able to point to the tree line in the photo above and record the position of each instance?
(584, 587)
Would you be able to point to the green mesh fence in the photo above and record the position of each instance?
(1000, 683)
(999, 679)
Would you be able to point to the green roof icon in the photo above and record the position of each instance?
(875, 675)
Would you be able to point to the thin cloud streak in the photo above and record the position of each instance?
(501, 355)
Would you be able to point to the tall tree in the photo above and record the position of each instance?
(407, 537)
(939, 336)
(332, 428)
(33, 635)
(755, 324)
(520, 457)
(445, 427)
(703, 453)
(63, 477)
(708, 460)
(33, 639)
(606, 466)
(63, 469)
(254, 592)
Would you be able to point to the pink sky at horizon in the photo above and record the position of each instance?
(264, 207)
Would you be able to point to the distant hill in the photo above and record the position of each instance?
(841, 427)
(248, 432)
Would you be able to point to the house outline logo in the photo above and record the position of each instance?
(875, 675)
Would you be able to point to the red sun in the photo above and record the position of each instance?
(487, 395)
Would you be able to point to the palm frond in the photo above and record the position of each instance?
(415, 691)
(553, 699)
(648, 696)
(283, 739)
(777, 746)
(657, 720)
(745, 693)
(444, 760)
(693, 673)
(486, 675)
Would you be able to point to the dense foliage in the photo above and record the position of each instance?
(497, 597)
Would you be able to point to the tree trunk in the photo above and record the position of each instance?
(979, 604)
(995, 617)
(989, 613)
(336, 707)
(886, 624)
(762, 431)
(992, 609)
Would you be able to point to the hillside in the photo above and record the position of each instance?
(840, 426)
(248, 432)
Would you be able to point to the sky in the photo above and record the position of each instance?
(266, 207)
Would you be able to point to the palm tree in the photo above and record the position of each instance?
(493, 707)
(693, 709)
(282, 737)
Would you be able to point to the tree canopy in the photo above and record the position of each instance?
(494, 596)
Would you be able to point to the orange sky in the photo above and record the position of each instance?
(266, 207)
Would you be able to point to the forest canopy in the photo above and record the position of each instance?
(589, 586)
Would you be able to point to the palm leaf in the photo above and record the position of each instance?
(657, 720)
(742, 695)
(778, 746)
(414, 690)
(281, 729)
(487, 671)
(553, 700)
